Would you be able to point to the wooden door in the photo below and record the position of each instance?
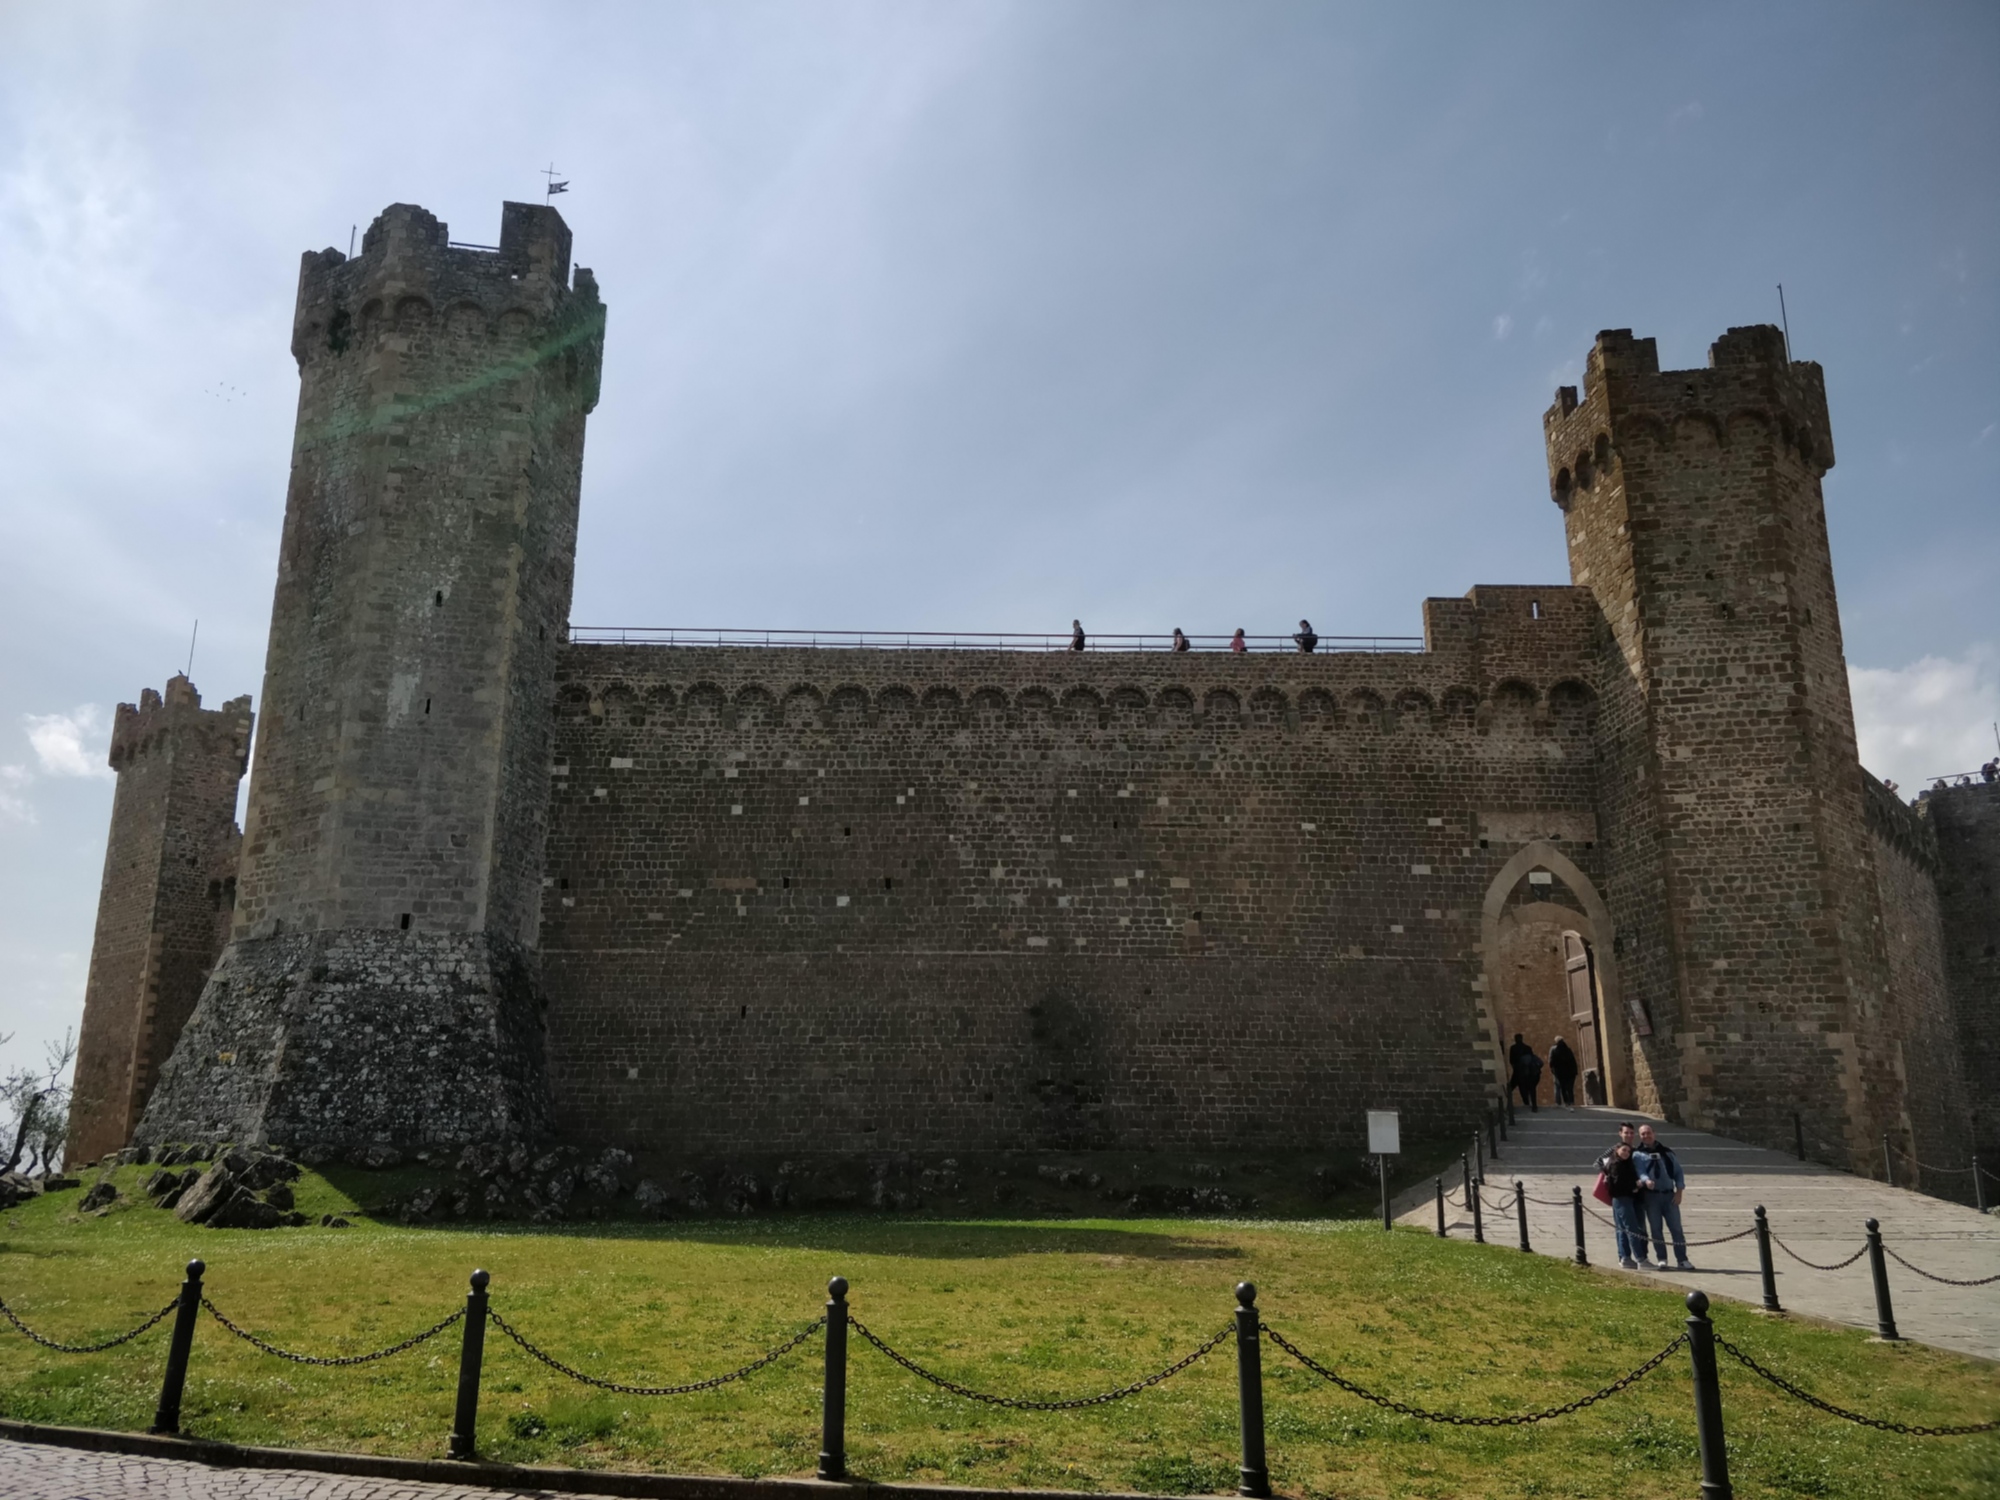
(1579, 974)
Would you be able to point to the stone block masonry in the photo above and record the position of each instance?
(390, 883)
(854, 900)
(164, 908)
(756, 902)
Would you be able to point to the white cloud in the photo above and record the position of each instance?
(1502, 326)
(15, 808)
(69, 744)
(1931, 718)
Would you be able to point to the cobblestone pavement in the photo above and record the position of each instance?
(33, 1471)
(1819, 1212)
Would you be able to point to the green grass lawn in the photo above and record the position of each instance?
(1055, 1307)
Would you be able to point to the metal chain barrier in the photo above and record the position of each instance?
(657, 1390)
(111, 1343)
(1941, 1280)
(1017, 1403)
(1741, 1234)
(1456, 1419)
(1918, 1162)
(330, 1360)
(1839, 1265)
(1847, 1416)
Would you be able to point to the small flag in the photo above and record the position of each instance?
(558, 187)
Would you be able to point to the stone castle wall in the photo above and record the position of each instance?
(1740, 853)
(852, 900)
(164, 906)
(1965, 820)
(399, 803)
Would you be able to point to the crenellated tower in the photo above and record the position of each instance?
(163, 909)
(380, 981)
(1737, 852)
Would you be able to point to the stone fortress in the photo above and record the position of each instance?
(737, 901)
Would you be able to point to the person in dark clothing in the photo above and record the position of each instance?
(1180, 641)
(1076, 635)
(1621, 1175)
(1562, 1068)
(1304, 637)
(1525, 1072)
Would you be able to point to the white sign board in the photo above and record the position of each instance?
(1385, 1133)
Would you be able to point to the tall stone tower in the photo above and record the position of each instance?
(1739, 862)
(163, 910)
(380, 982)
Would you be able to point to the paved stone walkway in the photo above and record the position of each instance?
(31, 1471)
(1817, 1211)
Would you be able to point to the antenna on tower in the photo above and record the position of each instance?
(194, 636)
(1785, 321)
(554, 186)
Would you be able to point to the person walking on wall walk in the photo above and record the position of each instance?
(1180, 641)
(1236, 642)
(1304, 638)
(1076, 635)
(1562, 1069)
(1662, 1201)
(1526, 1072)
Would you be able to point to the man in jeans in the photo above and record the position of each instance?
(1662, 1201)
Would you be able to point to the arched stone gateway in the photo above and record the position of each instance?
(1548, 969)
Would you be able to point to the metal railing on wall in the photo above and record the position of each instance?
(968, 640)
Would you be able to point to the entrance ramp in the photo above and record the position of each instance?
(1816, 1213)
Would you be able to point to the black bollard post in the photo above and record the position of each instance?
(1707, 1400)
(1440, 1193)
(1252, 1477)
(1478, 1160)
(1382, 1167)
(1799, 1134)
(1576, 1208)
(1764, 1262)
(1885, 1315)
(465, 1422)
(1492, 1141)
(1465, 1171)
(1521, 1211)
(167, 1416)
(1478, 1220)
(833, 1408)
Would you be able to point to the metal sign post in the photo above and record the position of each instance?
(1385, 1139)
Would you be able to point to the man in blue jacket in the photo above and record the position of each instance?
(1662, 1200)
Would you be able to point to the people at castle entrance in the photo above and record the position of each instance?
(1237, 643)
(1076, 635)
(1526, 1072)
(1180, 641)
(1304, 638)
(1562, 1069)
(1628, 1224)
(1661, 1170)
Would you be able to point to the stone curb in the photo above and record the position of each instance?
(521, 1478)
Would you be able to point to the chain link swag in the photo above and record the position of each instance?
(1931, 1276)
(656, 1390)
(1830, 1409)
(1839, 1265)
(1455, 1419)
(111, 1343)
(1017, 1403)
(330, 1360)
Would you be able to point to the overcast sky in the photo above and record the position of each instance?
(984, 316)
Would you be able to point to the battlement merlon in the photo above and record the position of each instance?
(133, 725)
(1748, 376)
(409, 272)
